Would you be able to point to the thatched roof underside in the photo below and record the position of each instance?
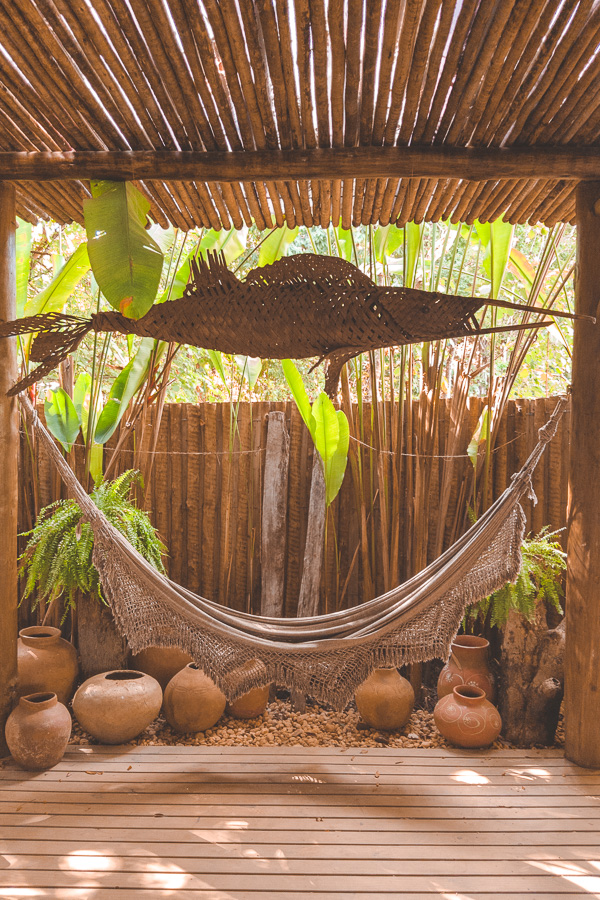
(283, 74)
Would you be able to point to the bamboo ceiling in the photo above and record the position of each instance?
(218, 75)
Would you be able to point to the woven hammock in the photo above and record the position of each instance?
(301, 306)
(328, 656)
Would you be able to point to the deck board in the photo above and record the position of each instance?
(240, 823)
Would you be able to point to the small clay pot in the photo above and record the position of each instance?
(192, 701)
(254, 702)
(38, 731)
(161, 663)
(468, 664)
(466, 718)
(114, 707)
(45, 662)
(385, 700)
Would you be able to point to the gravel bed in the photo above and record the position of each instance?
(282, 726)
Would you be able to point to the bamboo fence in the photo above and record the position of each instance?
(205, 496)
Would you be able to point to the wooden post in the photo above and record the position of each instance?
(308, 601)
(274, 516)
(582, 658)
(9, 444)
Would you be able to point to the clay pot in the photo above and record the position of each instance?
(45, 662)
(161, 663)
(192, 701)
(252, 704)
(466, 718)
(385, 700)
(468, 664)
(38, 731)
(114, 707)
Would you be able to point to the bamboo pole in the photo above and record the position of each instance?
(582, 672)
(9, 444)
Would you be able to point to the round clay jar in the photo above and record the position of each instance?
(466, 718)
(254, 702)
(38, 731)
(161, 663)
(192, 701)
(114, 707)
(45, 662)
(385, 700)
(468, 664)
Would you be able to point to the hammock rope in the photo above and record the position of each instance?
(327, 656)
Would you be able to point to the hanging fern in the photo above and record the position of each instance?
(57, 561)
(539, 579)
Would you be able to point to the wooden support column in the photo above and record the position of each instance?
(582, 660)
(9, 444)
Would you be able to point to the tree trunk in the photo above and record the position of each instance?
(101, 646)
(531, 678)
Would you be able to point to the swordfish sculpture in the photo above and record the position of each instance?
(300, 306)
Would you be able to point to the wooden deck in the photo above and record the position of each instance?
(235, 823)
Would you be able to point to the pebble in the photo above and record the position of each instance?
(282, 726)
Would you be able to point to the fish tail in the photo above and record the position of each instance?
(56, 336)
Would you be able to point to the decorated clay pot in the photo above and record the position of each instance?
(192, 701)
(161, 663)
(468, 664)
(466, 718)
(253, 703)
(385, 700)
(38, 731)
(114, 707)
(45, 662)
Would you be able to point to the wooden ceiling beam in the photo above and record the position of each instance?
(473, 164)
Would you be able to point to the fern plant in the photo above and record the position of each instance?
(539, 579)
(57, 561)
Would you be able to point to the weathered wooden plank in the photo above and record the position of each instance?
(199, 834)
(266, 883)
(303, 823)
(344, 807)
(273, 535)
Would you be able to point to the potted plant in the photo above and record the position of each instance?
(531, 653)
(57, 564)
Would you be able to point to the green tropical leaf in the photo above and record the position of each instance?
(124, 388)
(81, 392)
(412, 237)
(56, 294)
(336, 465)
(231, 243)
(496, 237)
(96, 462)
(275, 246)
(216, 358)
(326, 428)
(61, 418)
(250, 367)
(126, 260)
(386, 239)
(344, 240)
(296, 386)
(479, 437)
(23, 249)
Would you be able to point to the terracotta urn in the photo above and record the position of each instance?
(254, 702)
(385, 700)
(468, 664)
(46, 662)
(466, 718)
(192, 701)
(114, 707)
(161, 662)
(38, 731)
